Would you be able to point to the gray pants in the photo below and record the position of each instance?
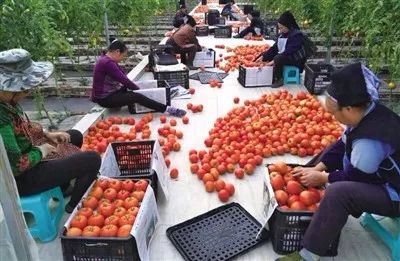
(341, 200)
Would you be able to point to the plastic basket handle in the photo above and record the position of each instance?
(96, 244)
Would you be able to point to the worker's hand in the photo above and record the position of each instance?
(271, 63)
(46, 149)
(58, 137)
(312, 178)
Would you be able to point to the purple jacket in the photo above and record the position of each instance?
(108, 77)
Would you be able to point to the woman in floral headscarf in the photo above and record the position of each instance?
(28, 146)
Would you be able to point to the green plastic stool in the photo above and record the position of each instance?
(291, 75)
(46, 218)
(392, 240)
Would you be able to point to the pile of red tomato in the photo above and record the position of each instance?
(289, 193)
(109, 210)
(242, 55)
(274, 124)
(106, 131)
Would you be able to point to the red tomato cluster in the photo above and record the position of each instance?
(254, 38)
(168, 139)
(194, 108)
(289, 192)
(243, 55)
(109, 210)
(274, 124)
(106, 131)
(215, 83)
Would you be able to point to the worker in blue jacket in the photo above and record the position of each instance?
(287, 50)
(362, 169)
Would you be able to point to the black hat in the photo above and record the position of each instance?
(287, 19)
(348, 86)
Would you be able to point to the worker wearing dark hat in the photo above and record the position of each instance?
(256, 25)
(287, 50)
(180, 17)
(362, 167)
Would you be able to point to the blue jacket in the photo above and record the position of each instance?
(369, 153)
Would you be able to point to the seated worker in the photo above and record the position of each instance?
(287, 50)
(184, 42)
(113, 89)
(18, 76)
(180, 17)
(231, 11)
(256, 25)
(363, 167)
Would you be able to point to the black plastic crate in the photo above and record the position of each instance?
(220, 234)
(135, 159)
(160, 84)
(202, 30)
(317, 77)
(288, 229)
(174, 78)
(271, 29)
(99, 248)
(224, 31)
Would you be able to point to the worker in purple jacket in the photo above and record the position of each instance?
(362, 168)
(113, 89)
(287, 50)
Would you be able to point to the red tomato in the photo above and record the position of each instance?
(236, 100)
(109, 230)
(96, 192)
(298, 205)
(128, 185)
(239, 173)
(163, 119)
(119, 211)
(91, 231)
(127, 219)
(87, 212)
(185, 120)
(123, 194)
(90, 202)
(294, 187)
(219, 185)
(106, 209)
(174, 173)
(230, 188)
(277, 182)
(281, 197)
(292, 199)
(110, 193)
(118, 203)
(141, 185)
(133, 211)
(131, 202)
(124, 231)
(307, 198)
(115, 184)
(138, 194)
(96, 220)
(102, 183)
(73, 232)
(223, 195)
(111, 220)
(281, 167)
(79, 221)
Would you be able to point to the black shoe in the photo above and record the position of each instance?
(277, 83)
